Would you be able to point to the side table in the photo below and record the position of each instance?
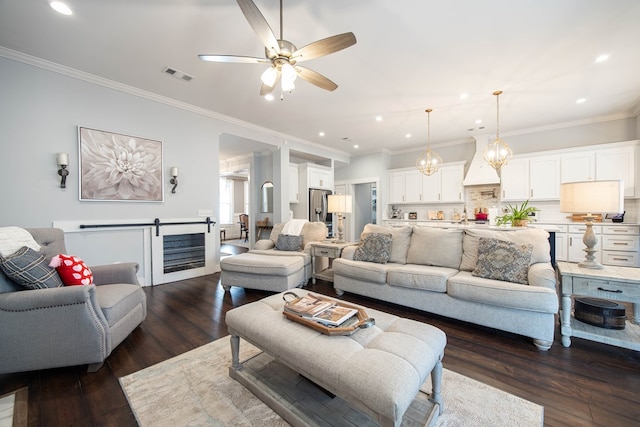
(612, 283)
(330, 250)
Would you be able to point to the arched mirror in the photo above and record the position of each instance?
(266, 197)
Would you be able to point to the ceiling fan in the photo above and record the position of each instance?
(283, 55)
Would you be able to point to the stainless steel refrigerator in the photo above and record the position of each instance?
(318, 208)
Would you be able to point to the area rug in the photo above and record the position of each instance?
(194, 389)
(236, 242)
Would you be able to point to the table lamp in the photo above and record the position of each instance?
(590, 197)
(339, 204)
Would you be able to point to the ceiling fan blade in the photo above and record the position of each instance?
(324, 47)
(266, 90)
(316, 78)
(259, 24)
(234, 58)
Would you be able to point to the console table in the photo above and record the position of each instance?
(612, 283)
(330, 250)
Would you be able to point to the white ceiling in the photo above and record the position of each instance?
(410, 55)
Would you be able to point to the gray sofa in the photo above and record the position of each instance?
(70, 325)
(431, 269)
(267, 268)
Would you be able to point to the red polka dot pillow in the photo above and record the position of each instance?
(72, 270)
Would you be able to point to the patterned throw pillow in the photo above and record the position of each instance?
(289, 242)
(374, 247)
(29, 269)
(72, 270)
(502, 260)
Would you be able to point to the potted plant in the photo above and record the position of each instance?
(518, 216)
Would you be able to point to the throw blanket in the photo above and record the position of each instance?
(293, 227)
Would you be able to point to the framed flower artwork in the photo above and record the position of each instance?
(116, 167)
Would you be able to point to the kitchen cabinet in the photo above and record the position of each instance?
(310, 175)
(579, 166)
(412, 186)
(294, 191)
(617, 163)
(319, 177)
(620, 244)
(562, 243)
(531, 178)
(514, 180)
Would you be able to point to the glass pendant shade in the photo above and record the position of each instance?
(269, 76)
(429, 161)
(498, 153)
(288, 77)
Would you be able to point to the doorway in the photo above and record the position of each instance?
(365, 200)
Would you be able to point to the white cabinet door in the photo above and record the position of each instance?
(293, 184)
(319, 178)
(431, 187)
(514, 180)
(413, 186)
(396, 187)
(544, 178)
(561, 246)
(617, 163)
(451, 183)
(576, 167)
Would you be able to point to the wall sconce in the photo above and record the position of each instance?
(174, 178)
(63, 161)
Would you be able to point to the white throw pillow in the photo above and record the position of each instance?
(14, 238)
(435, 246)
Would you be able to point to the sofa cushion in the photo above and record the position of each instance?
(30, 269)
(287, 242)
(259, 264)
(538, 237)
(374, 247)
(313, 232)
(502, 260)
(435, 246)
(275, 232)
(467, 287)
(400, 239)
(422, 277)
(118, 300)
(365, 271)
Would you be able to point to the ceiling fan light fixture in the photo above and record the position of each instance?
(429, 161)
(288, 77)
(269, 76)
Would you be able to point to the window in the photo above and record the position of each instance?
(226, 201)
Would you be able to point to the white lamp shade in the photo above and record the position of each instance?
(339, 203)
(592, 197)
(62, 159)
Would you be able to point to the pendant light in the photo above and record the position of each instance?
(428, 162)
(497, 153)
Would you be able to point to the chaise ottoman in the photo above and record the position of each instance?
(378, 370)
(263, 272)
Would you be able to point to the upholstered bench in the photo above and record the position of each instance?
(378, 370)
(263, 272)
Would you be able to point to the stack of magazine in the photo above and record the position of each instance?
(323, 311)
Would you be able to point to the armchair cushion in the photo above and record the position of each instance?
(29, 269)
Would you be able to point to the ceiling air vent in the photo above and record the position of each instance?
(178, 74)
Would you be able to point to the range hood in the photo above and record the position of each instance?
(479, 172)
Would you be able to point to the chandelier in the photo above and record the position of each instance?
(497, 153)
(429, 161)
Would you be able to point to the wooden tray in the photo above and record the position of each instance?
(364, 321)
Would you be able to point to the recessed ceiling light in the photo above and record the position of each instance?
(378, 118)
(408, 135)
(602, 58)
(464, 95)
(269, 97)
(61, 7)
(581, 100)
(478, 121)
(356, 146)
(321, 133)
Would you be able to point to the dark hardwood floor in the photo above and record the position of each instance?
(588, 384)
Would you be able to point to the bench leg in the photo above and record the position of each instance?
(436, 382)
(235, 352)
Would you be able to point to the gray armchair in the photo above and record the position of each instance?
(71, 325)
